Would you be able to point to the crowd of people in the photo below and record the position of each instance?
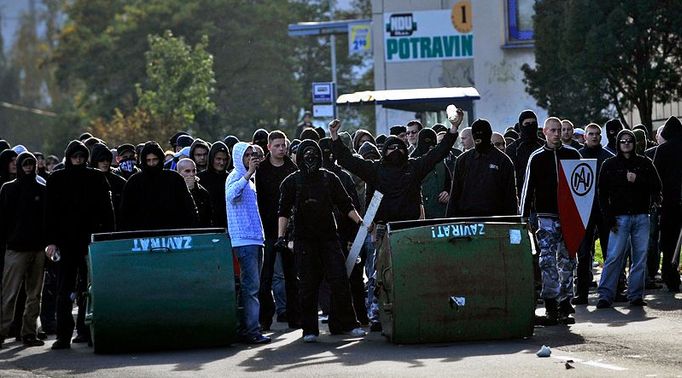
(293, 207)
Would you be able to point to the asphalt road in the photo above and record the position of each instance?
(612, 342)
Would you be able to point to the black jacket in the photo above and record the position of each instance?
(22, 205)
(668, 162)
(78, 204)
(617, 196)
(156, 199)
(541, 180)
(313, 198)
(519, 152)
(401, 186)
(6, 157)
(484, 184)
(202, 200)
(268, 181)
(214, 182)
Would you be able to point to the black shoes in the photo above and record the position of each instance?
(579, 300)
(620, 297)
(61, 344)
(375, 327)
(282, 318)
(603, 303)
(32, 341)
(639, 302)
(258, 339)
(81, 339)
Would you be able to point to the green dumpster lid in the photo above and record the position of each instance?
(146, 233)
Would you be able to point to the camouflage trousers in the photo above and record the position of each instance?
(556, 266)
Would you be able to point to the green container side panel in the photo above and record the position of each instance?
(168, 292)
(488, 267)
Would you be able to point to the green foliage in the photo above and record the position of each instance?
(180, 81)
(597, 58)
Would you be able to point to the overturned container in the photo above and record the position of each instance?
(153, 290)
(444, 280)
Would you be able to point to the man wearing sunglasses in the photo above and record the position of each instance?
(413, 128)
(628, 186)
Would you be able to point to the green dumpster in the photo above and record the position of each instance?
(461, 279)
(169, 289)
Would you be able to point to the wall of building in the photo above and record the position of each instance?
(495, 71)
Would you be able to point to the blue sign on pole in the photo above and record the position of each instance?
(323, 93)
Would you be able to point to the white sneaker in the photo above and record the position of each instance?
(357, 332)
(310, 338)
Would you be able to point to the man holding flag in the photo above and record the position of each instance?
(540, 191)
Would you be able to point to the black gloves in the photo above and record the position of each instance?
(281, 243)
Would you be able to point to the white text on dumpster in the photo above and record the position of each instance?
(174, 243)
(457, 230)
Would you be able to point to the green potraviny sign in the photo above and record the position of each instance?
(425, 35)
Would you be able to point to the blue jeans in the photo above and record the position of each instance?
(278, 288)
(633, 228)
(250, 261)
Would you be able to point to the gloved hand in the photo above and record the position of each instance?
(281, 243)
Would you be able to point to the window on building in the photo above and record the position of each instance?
(520, 21)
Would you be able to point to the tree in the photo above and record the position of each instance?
(595, 58)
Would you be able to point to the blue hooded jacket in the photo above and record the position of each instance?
(243, 219)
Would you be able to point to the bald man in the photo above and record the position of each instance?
(188, 170)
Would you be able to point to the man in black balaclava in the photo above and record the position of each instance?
(260, 138)
(436, 185)
(156, 199)
(519, 151)
(312, 193)
(78, 205)
(667, 162)
(396, 177)
(612, 127)
(22, 239)
(484, 182)
(347, 229)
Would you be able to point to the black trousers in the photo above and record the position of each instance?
(71, 266)
(317, 259)
(48, 305)
(596, 227)
(267, 302)
(670, 231)
(653, 259)
(357, 286)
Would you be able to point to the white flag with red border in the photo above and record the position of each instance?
(576, 191)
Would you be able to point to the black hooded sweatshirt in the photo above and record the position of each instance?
(22, 205)
(78, 204)
(313, 196)
(214, 182)
(200, 143)
(618, 196)
(157, 199)
(668, 162)
(6, 157)
(100, 153)
(399, 183)
(519, 150)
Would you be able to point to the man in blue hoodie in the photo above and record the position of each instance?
(246, 233)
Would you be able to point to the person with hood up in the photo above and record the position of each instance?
(519, 151)
(362, 136)
(155, 198)
(78, 205)
(184, 144)
(595, 225)
(397, 177)
(22, 239)
(271, 172)
(246, 232)
(484, 183)
(628, 186)
(8, 166)
(612, 127)
(539, 194)
(667, 161)
(312, 193)
(260, 138)
(199, 151)
(347, 229)
(436, 185)
(188, 170)
(100, 159)
(213, 179)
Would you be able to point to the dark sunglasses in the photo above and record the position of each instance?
(412, 132)
(626, 141)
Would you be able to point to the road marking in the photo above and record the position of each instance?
(591, 363)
